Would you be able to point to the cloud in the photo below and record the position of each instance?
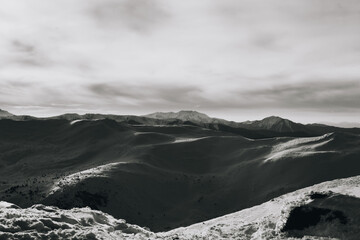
(154, 95)
(26, 54)
(23, 47)
(138, 15)
(335, 95)
(109, 91)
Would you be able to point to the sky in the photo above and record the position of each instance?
(234, 59)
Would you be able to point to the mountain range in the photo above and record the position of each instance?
(269, 126)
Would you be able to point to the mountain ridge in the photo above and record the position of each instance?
(269, 220)
(272, 124)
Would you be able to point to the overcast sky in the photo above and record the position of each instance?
(234, 59)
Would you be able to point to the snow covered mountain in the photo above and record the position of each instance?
(4, 113)
(329, 210)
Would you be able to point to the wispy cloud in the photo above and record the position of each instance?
(139, 15)
(335, 95)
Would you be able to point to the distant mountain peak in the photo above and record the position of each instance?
(192, 113)
(184, 115)
(4, 113)
(275, 119)
(275, 123)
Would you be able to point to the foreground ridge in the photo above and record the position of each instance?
(275, 219)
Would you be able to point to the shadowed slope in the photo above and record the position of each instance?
(177, 184)
(331, 216)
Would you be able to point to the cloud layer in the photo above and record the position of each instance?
(239, 59)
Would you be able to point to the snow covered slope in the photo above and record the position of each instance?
(333, 207)
(299, 147)
(267, 220)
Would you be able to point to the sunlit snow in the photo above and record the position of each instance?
(299, 147)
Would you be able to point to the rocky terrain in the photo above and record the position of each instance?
(329, 210)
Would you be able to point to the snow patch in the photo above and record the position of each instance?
(143, 133)
(82, 120)
(181, 140)
(299, 147)
(76, 121)
(7, 205)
